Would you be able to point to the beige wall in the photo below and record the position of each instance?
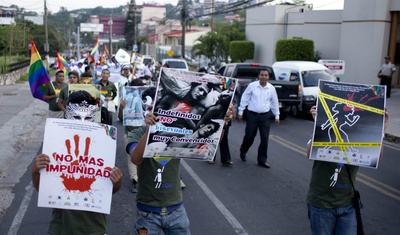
(359, 34)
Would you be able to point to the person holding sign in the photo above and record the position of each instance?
(81, 106)
(160, 192)
(331, 195)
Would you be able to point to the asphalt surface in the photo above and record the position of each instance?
(22, 121)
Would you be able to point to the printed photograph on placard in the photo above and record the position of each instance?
(136, 105)
(190, 108)
(82, 155)
(94, 91)
(350, 123)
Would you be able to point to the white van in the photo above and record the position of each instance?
(175, 64)
(307, 74)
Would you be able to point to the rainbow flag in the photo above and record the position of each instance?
(227, 84)
(62, 63)
(38, 76)
(106, 50)
(95, 51)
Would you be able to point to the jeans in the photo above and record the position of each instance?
(338, 221)
(174, 223)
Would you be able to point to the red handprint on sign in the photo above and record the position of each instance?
(79, 172)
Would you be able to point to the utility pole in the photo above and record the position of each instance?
(46, 46)
(212, 15)
(135, 32)
(183, 22)
(110, 23)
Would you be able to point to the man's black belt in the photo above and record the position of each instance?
(258, 113)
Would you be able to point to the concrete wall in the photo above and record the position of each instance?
(359, 34)
(364, 39)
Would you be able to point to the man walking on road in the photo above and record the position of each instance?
(260, 98)
(51, 94)
(385, 74)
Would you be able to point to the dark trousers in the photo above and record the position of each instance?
(224, 146)
(386, 80)
(262, 122)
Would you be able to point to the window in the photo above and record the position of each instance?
(179, 41)
(165, 41)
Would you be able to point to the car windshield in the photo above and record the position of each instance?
(310, 78)
(176, 64)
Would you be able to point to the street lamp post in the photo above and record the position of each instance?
(110, 23)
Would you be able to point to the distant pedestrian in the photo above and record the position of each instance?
(51, 94)
(260, 98)
(385, 75)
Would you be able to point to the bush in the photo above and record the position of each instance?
(241, 50)
(294, 49)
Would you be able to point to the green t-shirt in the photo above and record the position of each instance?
(66, 222)
(158, 178)
(330, 186)
(64, 95)
(110, 90)
(53, 103)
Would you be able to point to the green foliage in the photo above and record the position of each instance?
(130, 29)
(294, 49)
(213, 45)
(241, 50)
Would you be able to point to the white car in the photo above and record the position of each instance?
(175, 64)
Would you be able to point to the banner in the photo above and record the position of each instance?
(82, 155)
(190, 108)
(350, 124)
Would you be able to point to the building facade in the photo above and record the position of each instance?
(361, 34)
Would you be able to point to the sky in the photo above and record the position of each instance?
(54, 5)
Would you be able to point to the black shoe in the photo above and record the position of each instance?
(227, 163)
(266, 165)
(243, 156)
(134, 186)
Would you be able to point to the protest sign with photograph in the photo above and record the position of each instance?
(190, 108)
(349, 125)
(82, 155)
(133, 111)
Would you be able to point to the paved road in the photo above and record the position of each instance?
(243, 199)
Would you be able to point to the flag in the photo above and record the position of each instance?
(95, 51)
(106, 50)
(90, 58)
(62, 63)
(38, 76)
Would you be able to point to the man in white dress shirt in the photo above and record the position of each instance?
(260, 98)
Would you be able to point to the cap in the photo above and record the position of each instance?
(59, 71)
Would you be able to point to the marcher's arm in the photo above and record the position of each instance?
(41, 161)
(137, 152)
(275, 105)
(230, 114)
(121, 110)
(244, 100)
(61, 105)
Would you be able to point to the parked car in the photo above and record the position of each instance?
(176, 64)
(288, 91)
(307, 74)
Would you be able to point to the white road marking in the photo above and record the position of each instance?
(225, 212)
(21, 211)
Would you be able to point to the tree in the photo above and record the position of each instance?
(131, 25)
(213, 45)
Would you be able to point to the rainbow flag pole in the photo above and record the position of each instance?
(39, 79)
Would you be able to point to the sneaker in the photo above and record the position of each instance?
(182, 185)
(134, 186)
(211, 162)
